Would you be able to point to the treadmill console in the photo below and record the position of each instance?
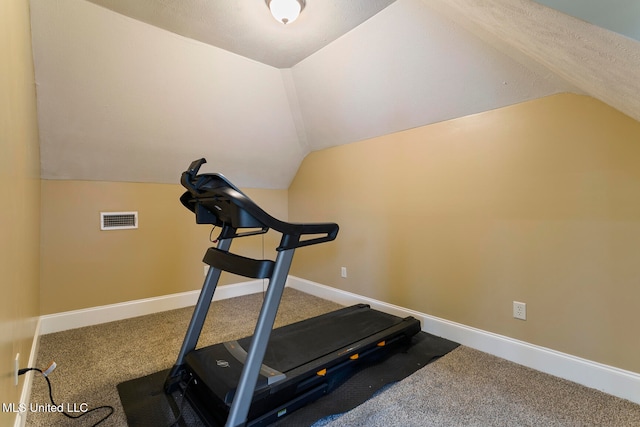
(215, 200)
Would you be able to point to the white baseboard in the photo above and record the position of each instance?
(125, 310)
(611, 380)
(25, 394)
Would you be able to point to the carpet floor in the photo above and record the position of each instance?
(464, 388)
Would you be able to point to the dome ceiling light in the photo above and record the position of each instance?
(285, 11)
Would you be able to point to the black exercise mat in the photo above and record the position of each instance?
(371, 377)
(145, 403)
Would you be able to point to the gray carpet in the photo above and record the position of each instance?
(464, 388)
(470, 388)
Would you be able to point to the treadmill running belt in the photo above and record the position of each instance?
(294, 345)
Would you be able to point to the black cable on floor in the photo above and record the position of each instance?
(110, 408)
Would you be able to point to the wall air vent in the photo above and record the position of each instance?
(118, 220)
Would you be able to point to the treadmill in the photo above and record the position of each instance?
(258, 380)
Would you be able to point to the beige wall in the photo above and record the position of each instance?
(19, 197)
(83, 266)
(538, 202)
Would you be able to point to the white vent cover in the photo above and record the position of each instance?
(118, 220)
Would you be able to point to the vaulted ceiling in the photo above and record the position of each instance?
(133, 91)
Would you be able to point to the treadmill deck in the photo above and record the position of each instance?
(296, 355)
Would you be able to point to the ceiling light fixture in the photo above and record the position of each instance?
(285, 11)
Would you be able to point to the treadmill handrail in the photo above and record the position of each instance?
(211, 190)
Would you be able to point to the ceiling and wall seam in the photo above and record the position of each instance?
(296, 114)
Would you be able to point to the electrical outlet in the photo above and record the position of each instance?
(520, 310)
(343, 272)
(16, 368)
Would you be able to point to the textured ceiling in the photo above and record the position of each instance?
(602, 63)
(247, 28)
(134, 95)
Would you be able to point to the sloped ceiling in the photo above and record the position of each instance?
(133, 91)
(602, 63)
(247, 28)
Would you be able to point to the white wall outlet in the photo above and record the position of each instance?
(206, 270)
(16, 368)
(520, 310)
(343, 272)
